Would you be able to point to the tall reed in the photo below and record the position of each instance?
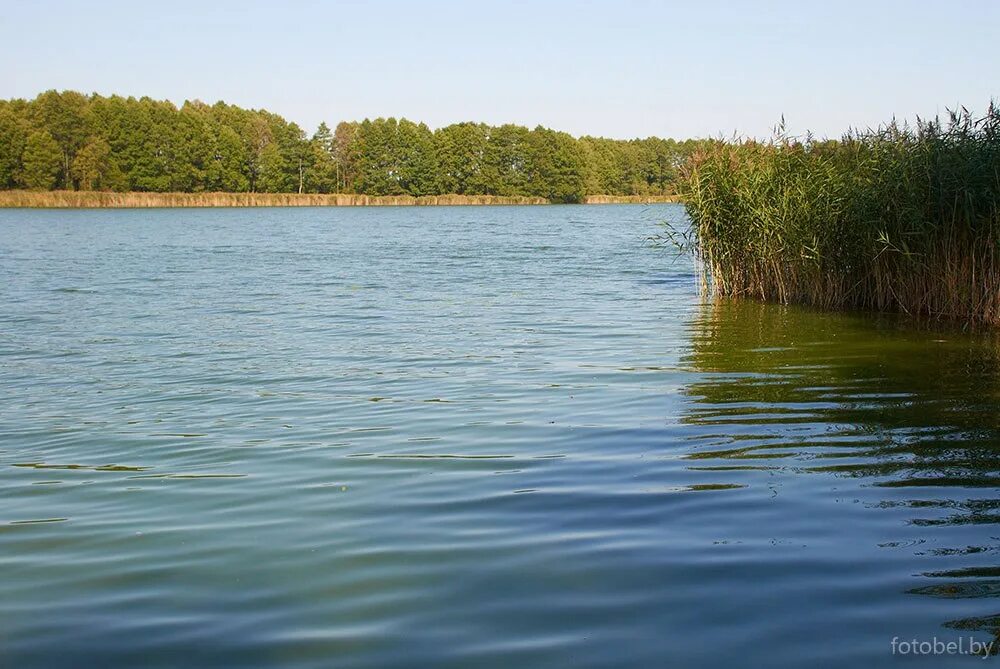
(899, 218)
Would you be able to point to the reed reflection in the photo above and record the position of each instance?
(909, 412)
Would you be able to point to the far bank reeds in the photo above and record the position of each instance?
(901, 218)
(98, 199)
(629, 199)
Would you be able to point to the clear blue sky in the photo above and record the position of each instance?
(618, 69)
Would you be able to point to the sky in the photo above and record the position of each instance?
(629, 68)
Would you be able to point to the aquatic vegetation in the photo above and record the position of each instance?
(79, 199)
(73, 199)
(902, 218)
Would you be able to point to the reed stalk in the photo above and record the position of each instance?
(897, 219)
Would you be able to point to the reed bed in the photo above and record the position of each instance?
(96, 199)
(107, 199)
(902, 218)
(629, 199)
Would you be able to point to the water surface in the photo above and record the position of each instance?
(469, 436)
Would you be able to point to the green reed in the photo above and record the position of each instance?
(900, 218)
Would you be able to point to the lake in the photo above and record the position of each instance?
(470, 437)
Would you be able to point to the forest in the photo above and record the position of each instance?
(71, 141)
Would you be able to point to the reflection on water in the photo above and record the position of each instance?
(458, 437)
(909, 412)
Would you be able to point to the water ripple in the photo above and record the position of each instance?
(468, 437)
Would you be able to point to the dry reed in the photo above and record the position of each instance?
(88, 199)
(629, 199)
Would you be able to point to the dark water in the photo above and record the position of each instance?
(469, 437)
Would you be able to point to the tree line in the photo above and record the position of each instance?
(71, 141)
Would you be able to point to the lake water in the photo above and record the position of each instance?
(469, 437)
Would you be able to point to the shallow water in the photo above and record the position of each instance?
(469, 436)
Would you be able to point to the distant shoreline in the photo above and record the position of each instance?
(16, 199)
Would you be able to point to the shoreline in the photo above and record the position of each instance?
(17, 199)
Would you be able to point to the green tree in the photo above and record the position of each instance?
(295, 156)
(416, 162)
(376, 170)
(194, 147)
(604, 172)
(272, 177)
(460, 150)
(347, 153)
(42, 160)
(227, 168)
(506, 161)
(557, 167)
(12, 140)
(66, 117)
(151, 145)
(95, 169)
(323, 168)
(256, 138)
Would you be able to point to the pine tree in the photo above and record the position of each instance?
(323, 176)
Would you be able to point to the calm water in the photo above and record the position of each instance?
(459, 437)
